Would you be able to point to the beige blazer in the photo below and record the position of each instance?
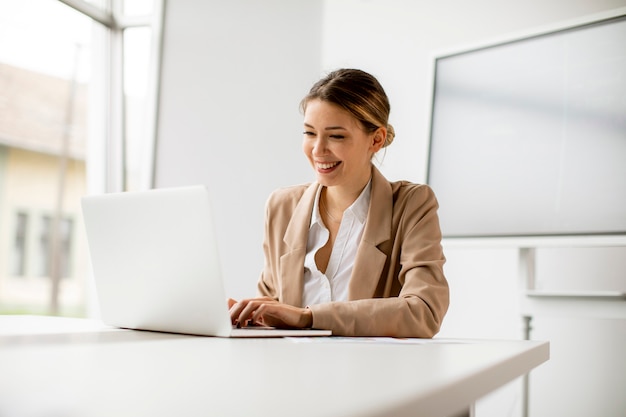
(397, 287)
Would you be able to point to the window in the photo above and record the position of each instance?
(19, 248)
(77, 116)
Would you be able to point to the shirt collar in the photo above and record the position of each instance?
(359, 208)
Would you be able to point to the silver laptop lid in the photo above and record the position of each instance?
(155, 261)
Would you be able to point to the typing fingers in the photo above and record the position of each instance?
(242, 312)
(235, 310)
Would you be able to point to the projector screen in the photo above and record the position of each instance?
(528, 137)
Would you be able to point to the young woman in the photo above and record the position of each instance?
(351, 252)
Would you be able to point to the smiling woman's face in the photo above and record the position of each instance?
(337, 146)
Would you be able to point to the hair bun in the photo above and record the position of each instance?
(391, 134)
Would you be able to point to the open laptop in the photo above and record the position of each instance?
(156, 264)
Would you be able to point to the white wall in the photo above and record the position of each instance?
(233, 74)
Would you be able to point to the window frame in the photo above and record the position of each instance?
(106, 156)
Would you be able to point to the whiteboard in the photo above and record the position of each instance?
(528, 137)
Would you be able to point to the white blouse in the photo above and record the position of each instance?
(333, 286)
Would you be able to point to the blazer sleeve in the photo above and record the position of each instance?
(412, 294)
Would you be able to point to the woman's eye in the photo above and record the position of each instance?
(337, 136)
(308, 133)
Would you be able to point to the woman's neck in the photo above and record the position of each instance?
(339, 198)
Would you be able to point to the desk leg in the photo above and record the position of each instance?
(526, 273)
(525, 387)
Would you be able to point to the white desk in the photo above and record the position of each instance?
(72, 367)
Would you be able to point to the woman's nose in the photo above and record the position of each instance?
(319, 146)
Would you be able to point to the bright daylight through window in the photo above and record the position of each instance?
(59, 139)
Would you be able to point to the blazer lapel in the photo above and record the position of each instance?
(296, 236)
(370, 261)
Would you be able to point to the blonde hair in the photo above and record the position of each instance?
(360, 94)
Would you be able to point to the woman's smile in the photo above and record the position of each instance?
(326, 166)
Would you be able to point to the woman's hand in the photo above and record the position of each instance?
(269, 312)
